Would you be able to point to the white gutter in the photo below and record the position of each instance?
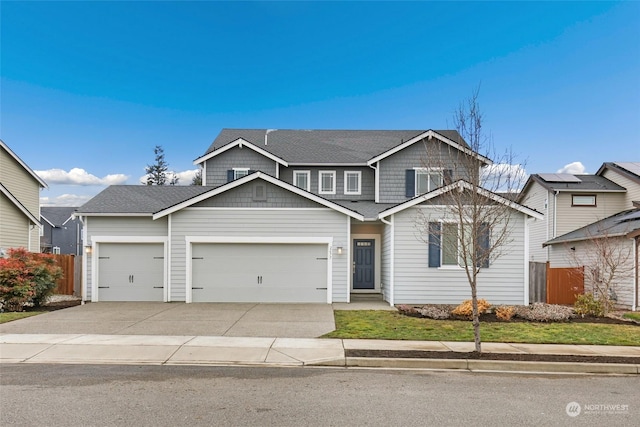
(83, 286)
(377, 181)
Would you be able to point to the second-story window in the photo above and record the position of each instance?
(240, 172)
(428, 180)
(327, 182)
(352, 182)
(583, 200)
(302, 179)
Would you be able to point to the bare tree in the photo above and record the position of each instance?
(473, 223)
(157, 173)
(197, 178)
(607, 261)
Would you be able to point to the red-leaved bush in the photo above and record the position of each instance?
(26, 277)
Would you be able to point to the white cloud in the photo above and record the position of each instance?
(77, 176)
(504, 177)
(184, 177)
(65, 200)
(575, 168)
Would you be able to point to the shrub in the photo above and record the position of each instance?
(27, 277)
(541, 312)
(466, 308)
(588, 305)
(434, 312)
(505, 312)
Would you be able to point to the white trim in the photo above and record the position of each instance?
(377, 257)
(114, 214)
(426, 171)
(249, 178)
(167, 288)
(85, 272)
(526, 260)
(204, 174)
(68, 219)
(239, 143)
(429, 134)
(24, 165)
(190, 240)
(277, 170)
(349, 262)
(333, 188)
(359, 190)
(97, 240)
(302, 172)
(376, 177)
(226, 208)
(236, 170)
(455, 186)
(47, 221)
(392, 267)
(20, 206)
(326, 165)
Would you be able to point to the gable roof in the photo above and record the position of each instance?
(19, 205)
(629, 169)
(240, 142)
(56, 216)
(211, 192)
(322, 147)
(579, 183)
(460, 184)
(625, 223)
(137, 199)
(23, 164)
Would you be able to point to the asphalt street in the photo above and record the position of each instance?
(122, 395)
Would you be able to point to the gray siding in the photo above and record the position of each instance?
(416, 283)
(257, 223)
(419, 155)
(236, 158)
(123, 227)
(243, 197)
(367, 186)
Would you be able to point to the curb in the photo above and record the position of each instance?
(495, 365)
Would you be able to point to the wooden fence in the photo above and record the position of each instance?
(563, 284)
(71, 266)
(537, 282)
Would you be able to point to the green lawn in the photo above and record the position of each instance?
(8, 317)
(371, 324)
(633, 316)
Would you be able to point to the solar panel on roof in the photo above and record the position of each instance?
(559, 177)
(630, 216)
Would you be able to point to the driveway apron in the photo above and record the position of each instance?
(196, 319)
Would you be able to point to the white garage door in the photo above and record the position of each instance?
(259, 273)
(130, 272)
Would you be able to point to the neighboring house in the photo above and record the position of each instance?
(607, 246)
(568, 202)
(625, 174)
(298, 216)
(61, 231)
(19, 202)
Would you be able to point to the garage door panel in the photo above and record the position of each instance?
(259, 273)
(131, 272)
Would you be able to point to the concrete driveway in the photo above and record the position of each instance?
(151, 318)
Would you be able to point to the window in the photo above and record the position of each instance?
(446, 240)
(240, 172)
(427, 180)
(583, 200)
(301, 179)
(327, 182)
(352, 182)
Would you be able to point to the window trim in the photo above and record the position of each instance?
(236, 170)
(333, 175)
(302, 172)
(583, 205)
(427, 171)
(359, 190)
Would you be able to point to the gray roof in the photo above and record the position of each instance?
(57, 215)
(619, 224)
(630, 169)
(140, 199)
(367, 208)
(586, 183)
(324, 146)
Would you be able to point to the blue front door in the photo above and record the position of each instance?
(363, 264)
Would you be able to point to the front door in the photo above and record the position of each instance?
(363, 264)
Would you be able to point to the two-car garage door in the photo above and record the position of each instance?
(264, 272)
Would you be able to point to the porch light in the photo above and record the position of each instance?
(88, 249)
(339, 250)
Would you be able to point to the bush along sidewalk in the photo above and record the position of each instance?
(26, 278)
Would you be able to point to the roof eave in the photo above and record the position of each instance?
(239, 143)
(24, 165)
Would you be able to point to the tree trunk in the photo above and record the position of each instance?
(476, 318)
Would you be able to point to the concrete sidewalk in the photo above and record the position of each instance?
(222, 350)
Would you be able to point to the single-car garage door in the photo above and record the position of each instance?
(263, 272)
(130, 272)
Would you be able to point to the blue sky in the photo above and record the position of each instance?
(89, 88)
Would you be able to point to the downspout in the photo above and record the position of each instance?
(377, 183)
(392, 261)
(83, 286)
(636, 291)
